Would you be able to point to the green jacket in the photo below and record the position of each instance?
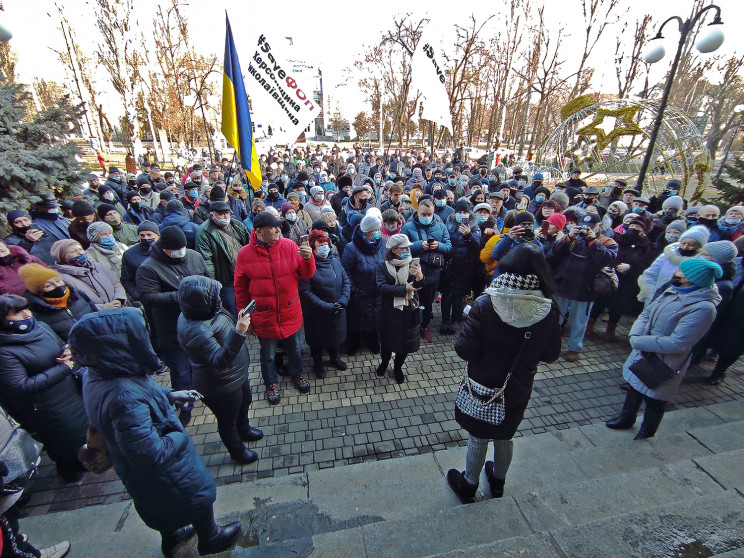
(209, 244)
(127, 234)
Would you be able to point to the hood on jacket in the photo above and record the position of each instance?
(517, 307)
(199, 297)
(702, 294)
(113, 343)
(671, 253)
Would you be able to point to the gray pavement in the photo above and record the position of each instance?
(353, 416)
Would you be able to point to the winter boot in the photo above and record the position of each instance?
(173, 542)
(627, 417)
(318, 368)
(497, 485)
(462, 488)
(336, 360)
(590, 327)
(609, 333)
(222, 539)
(650, 424)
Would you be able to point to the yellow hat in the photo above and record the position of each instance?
(35, 275)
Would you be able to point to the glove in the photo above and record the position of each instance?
(337, 308)
(184, 396)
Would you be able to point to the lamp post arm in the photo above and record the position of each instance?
(679, 21)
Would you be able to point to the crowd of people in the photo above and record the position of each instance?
(142, 273)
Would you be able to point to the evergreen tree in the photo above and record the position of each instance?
(35, 156)
(732, 194)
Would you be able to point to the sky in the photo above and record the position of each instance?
(330, 34)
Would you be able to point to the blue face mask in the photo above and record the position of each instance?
(79, 261)
(481, 218)
(107, 242)
(451, 181)
(426, 220)
(539, 199)
(20, 326)
(405, 254)
(324, 250)
(637, 210)
(440, 203)
(460, 217)
(194, 193)
(377, 235)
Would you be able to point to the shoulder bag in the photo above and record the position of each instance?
(483, 403)
(429, 258)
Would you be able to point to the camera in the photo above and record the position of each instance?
(528, 235)
(583, 231)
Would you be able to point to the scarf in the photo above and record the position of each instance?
(399, 270)
(231, 243)
(60, 302)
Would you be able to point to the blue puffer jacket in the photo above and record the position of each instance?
(464, 248)
(418, 233)
(152, 454)
(360, 261)
(182, 221)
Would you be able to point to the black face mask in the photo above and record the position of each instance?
(146, 242)
(57, 292)
(706, 222)
(145, 190)
(273, 196)
(21, 231)
(676, 281)
(632, 233)
(7, 260)
(686, 253)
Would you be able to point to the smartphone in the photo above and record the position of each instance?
(430, 240)
(544, 227)
(415, 261)
(249, 309)
(304, 240)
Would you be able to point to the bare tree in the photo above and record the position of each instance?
(629, 64)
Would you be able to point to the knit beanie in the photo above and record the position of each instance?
(698, 233)
(166, 195)
(722, 251)
(81, 208)
(95, 230)
(462, 205)
(172, 238)
(35, 275)
(148, 226)
(133, 194)
(370, 223)
(558, 219)
(286, 207)
(674, 202)
(621, 205)
(678, 225)
(318, 236)
(316, 190)
(174, 206)
(561, 198)
(15, 214)
(105, 208)
(59, 249)
(524, 217)
(217, 194)
(701, 272)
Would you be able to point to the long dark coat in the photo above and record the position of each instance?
(399, 329)
(151, 452)
(39, 393)
(360, 262)
(329, 284)
(61, 319)
(639, 253)
(490, 345)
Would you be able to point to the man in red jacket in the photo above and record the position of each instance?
(267, 271)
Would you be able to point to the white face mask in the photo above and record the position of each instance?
(291, 217)
(178, 253)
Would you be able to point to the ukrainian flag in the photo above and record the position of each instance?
(236, 120)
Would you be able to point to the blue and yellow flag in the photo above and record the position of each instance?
(236, 120)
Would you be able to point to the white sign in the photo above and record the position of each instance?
(279, 98)
(427, 75)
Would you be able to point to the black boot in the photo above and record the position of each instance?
(223, 538)
(382, 369)
(627, 417)
(398, 368)
(318, 368)
(352, 344)
(243, 455)
(336, 360)
(464, 490)
(374, 344)
(651, 422)
(497, 485)
(248, 433)
(173, 542)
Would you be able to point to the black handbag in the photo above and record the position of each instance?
(431, 259)
(606, 282)
(651, 370)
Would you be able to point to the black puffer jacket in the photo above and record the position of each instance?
(329, 284)
(217, 352)
(399, 329)
(61, 319)
(158, 279)
(40, 393)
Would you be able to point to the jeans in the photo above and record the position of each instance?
(578, 314)
(268, 354)
(231, 411)
(227, 296)
(180, 367)
(476, 458)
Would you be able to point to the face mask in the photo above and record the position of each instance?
(670, 212)
(481, 219)
(637, 210)
(676, 281)
(20, 326)
(221, 222)
(391, 176)
(569, 227)
(145, 190)
(146, 242)
(323, 251)
(404, 255)
(686, 253)
(114, 220)
(391, 228)
(178, 254)
(377, 235)
(108, 196)
(284, 178)
(539, 199)
(107, 242)
(451, 181)
(311, 183)
(672, 192)
(350, 171)
(193, 193)
(732, 221)
(273, 196)
(301, 195)
(671, 238)
(440, 203)
(459, 217)
(79, 261)
(291, 217)
(136, 205)
(54, 210)
(426, 220)
(632, 233)
(56, 292)
(707, 222)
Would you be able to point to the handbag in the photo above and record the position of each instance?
(482, 403)
(431, 259)
(18, 450)
(651, 370)
(606, 281)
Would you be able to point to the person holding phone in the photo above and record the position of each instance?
(398, 281)
(219, 358)
(522, 231)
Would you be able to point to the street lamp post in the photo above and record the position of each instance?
(655, 52)
(738, 109)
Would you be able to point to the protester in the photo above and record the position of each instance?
(125, 233)
(325, 297)
(508, 332)
(153, 456)
(267, 271)
(104, 249)
(671, 324)
(37, 388)
(219, 362)
(293, 227)
(176, 215)
(147, 232)
(84, 214)
(12, 258)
